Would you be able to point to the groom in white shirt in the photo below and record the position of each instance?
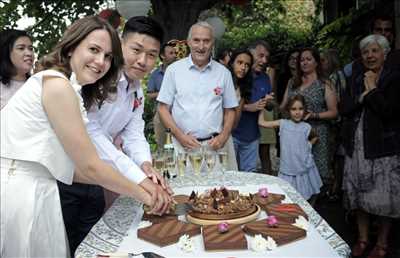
(121, 115)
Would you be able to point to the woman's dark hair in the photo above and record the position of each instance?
(297, 81)
(293, 99)
(245, 84)
(144, 25)
(222, 53)
(59, 58)
(332, 56)
(284, 75)
(7, 41)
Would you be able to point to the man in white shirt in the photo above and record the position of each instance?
(121, 115)
(200, 93)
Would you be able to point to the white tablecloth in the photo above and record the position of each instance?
(311, 246)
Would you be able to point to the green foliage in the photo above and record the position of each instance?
(283, 23)
(52, 17)
(340, 34)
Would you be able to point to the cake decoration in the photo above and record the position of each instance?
(186, 243)
(221, 204)
(272, 221)
(301, 222)
(263, 192)
(223, 227)
(260, 244)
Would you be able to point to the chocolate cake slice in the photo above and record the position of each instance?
(282, 233)
(157, 219)
(271, 198)
(167, 232)
(287, 212)
(233, 239)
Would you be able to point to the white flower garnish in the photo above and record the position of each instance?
(271, 244)
(301, 222)
(186, 243)
(144, 224)
(260, 244)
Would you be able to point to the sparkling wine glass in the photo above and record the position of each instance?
(195, 159)
(210, 160)
(223, 161)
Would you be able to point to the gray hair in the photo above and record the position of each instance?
(378, 39)
(203, 24)
(260, 42)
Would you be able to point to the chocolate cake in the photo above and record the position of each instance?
(221, 204)
(271, 198)
(287, 212)
(282, 232)
(233, 239)
(157, 219)
(167, 232)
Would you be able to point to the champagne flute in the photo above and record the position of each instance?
(181, 164)
(196, 158)
(223, 160)
(210, 160)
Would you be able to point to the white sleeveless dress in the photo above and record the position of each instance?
(32, 158)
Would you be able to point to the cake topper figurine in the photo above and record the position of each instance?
(272, 221)
(223, 227)
(263, 192)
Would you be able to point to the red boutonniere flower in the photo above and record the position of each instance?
(217, 90)
(136, 103)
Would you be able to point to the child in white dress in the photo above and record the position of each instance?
(297, 164)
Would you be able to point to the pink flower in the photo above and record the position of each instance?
(137, 102)
(223, 227)
(263, 192)
(217, 90)
(272, 221)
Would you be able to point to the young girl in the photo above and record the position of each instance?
(297, 164)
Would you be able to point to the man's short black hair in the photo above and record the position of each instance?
(382, 17)
(168, 44)
(144, 25)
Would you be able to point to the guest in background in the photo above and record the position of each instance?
(197, 98)
(321, 102)
(287, 72)
(331, 68)
(167, 56)
(44, 139)
(297, 165)
(240, 66)
(370, 111)
(246, 136)
(223, 56)
(16, 61)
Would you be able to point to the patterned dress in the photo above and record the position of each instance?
(315, 102)
(372, 185)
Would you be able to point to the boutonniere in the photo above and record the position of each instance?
(136, 102)
(217, 90)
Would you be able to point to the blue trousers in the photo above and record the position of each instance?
(246, 154)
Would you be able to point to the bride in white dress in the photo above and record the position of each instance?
(43, 139)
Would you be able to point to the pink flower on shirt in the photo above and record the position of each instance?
(217, 90)
(137, 102)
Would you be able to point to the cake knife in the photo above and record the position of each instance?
(129, 255)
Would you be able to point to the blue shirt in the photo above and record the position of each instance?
(155, 80)
(247, 129)
(198, 96)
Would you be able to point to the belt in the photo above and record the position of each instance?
(207, 138)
